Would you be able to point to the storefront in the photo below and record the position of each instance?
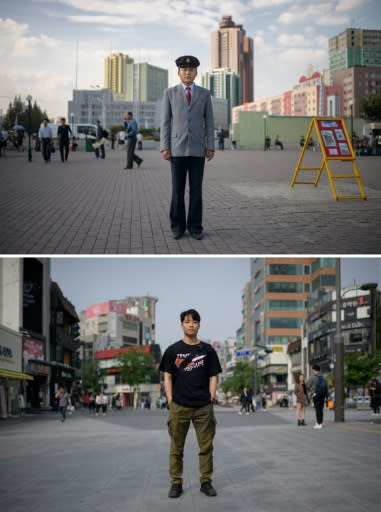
(12, 379)
(35, 364)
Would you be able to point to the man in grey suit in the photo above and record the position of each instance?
(187, 138)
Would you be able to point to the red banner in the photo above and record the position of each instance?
(334, 138)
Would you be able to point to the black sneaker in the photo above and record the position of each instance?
(175, 491)
(208, 489)
(196, 236)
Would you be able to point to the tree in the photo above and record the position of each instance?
(243, 376)
(18, 113)
(372, 107)
(360, 368)
(90, 376)
(137, 367)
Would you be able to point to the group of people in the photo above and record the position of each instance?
(46, 143)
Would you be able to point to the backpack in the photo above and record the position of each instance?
(105, 134)
(321, 387)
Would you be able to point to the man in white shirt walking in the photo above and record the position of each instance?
(45, 134)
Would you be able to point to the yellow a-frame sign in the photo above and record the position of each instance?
(335, 144)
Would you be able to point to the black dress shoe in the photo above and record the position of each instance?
(196, 236)
(140, 163)
(208, 489)
(177, 235)
(175, 491)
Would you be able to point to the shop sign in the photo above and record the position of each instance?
(33, 349)
(38, 369)
(10, 350)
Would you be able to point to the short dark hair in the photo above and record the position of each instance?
(316, 367)
(130, 114)
(192, 313)
(63, 119)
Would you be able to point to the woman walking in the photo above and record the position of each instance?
(301, 399)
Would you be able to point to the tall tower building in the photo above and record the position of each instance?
(232, 49)
(355, 65)
(115, 72)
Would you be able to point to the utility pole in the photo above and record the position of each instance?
(339, 352)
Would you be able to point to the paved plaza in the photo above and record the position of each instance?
(90, 206)
(119, 463)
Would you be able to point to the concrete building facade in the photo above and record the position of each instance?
(232, 49)
(355, 66)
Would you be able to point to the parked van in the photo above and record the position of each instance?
(80, 130)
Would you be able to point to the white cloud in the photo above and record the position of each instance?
(348, 5)
(292, 40)
(261, 4)
(14, 41)
(318, 14)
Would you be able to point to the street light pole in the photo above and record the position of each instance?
(351, 105)
(339, 352)
(264, 131)
(29, 100)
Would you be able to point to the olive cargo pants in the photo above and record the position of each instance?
(204, 424)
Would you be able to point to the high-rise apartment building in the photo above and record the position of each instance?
(115, 72)
(145, 82)
(279, 294)
(280, 289)
(134, 81)
(355, 65)
(225, 84)
(355, 47)
(232, 49)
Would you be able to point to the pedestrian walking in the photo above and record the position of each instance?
(63, 399)
(63, 134)
(264, 400)
(131, 128)
(3, 140)
(186, 139)
(244, 399)
(301, 399)
(45, 135)
(375, 396)
(99, 142)
(319, 390)
(100, 403)
(191, 369)
(92, 403)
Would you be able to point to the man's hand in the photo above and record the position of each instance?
(209, 154)
(166, 154)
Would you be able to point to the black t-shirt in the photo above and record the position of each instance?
(191, 382)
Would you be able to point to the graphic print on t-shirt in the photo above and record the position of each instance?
(196, 362)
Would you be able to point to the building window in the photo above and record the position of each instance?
(284, 323)
(285, 287)
(285, 269)
(286, 305)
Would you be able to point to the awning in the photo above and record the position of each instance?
(15, 375)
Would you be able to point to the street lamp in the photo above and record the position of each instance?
(339, 352)
(29, 100)
(351, 107)
(257, 348)
(264, 130)
(372, 287)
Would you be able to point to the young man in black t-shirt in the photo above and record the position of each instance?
(190, 381)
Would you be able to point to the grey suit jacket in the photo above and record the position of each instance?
(187, 130)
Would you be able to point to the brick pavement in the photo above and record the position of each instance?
(263, 463)
(89, 206)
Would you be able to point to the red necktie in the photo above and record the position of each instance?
(188, 94)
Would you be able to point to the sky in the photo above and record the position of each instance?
(38, 40)
(211, 285)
